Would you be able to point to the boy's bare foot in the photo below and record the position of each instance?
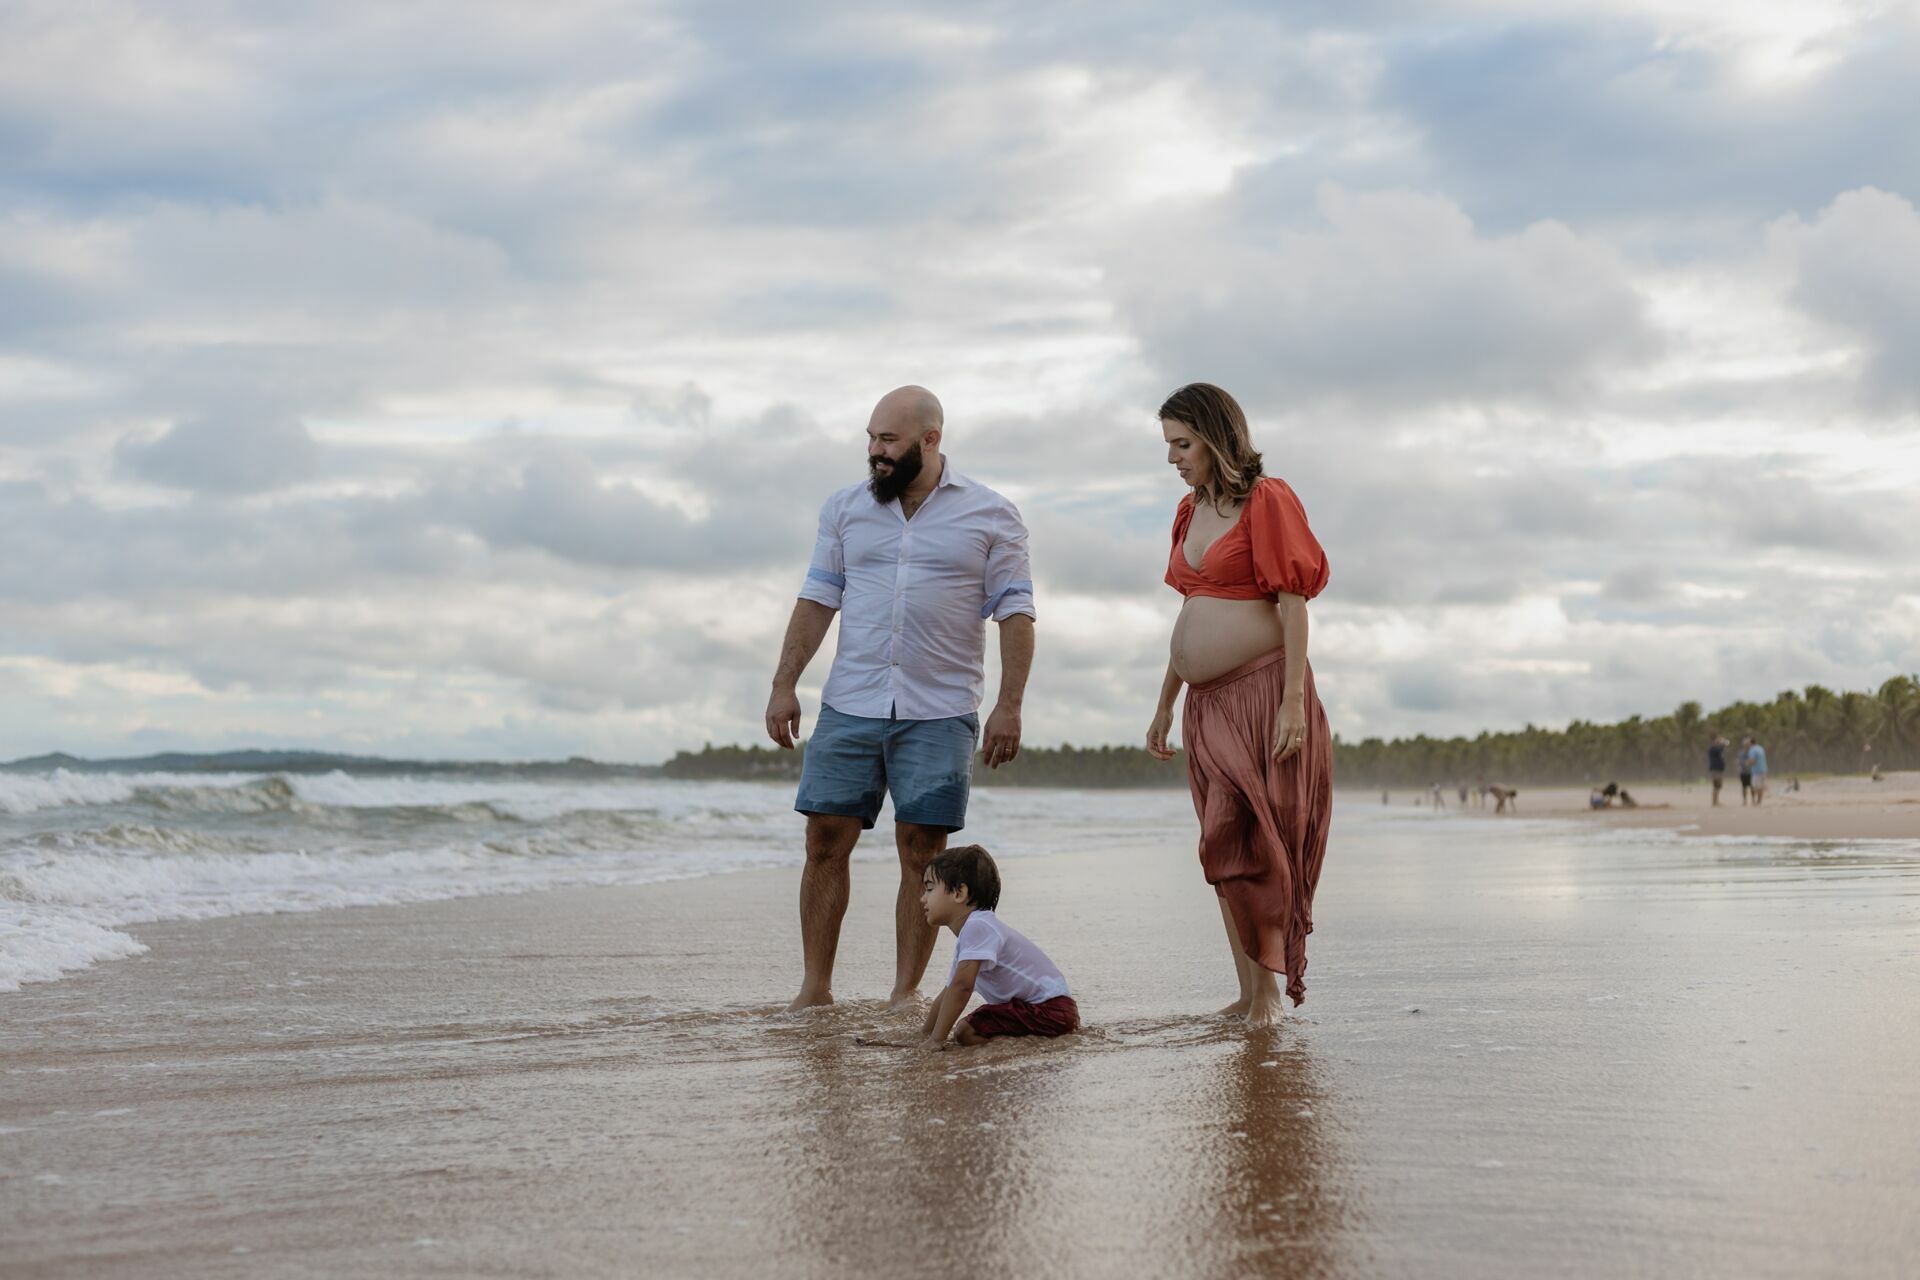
(810, 999)
(1265, 1011)
(1238, 1009)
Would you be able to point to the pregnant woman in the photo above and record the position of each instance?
(1259, 756)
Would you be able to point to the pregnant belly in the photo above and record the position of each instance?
(1214, 636)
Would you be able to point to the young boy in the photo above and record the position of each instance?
(1025, 994)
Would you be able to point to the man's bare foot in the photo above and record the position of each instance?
(1265, 1011)
(910, 996)
(1238, 1009)
(810, 1000)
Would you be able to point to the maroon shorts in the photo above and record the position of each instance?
(1055, 1017)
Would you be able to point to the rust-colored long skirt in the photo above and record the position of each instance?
(1263, 825)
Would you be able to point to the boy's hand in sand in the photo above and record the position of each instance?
(1157, 745)
(1289, 728)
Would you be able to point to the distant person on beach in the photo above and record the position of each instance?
(915, 559)
(1502, 797)
(1024, 991)
(1607, 796)
(1439, 797)
(1717, 764)
(1757, 766)
(1745, 761)
(1259, 754)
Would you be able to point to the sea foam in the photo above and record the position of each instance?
(84, 856)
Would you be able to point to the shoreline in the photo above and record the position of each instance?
(1521, 1054)
(1838, 809)
(1841, 808)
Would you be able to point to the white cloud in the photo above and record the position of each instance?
(1394, 299)
(466, 379)
(1857, 266)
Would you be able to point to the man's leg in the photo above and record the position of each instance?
(823, 902)
(929, 766)
(913, 936)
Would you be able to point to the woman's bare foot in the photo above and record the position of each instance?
(810, 999)
(1265, 1010)
(1238, 1009)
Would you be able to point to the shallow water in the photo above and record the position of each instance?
(1527, 1049)
(82, 856)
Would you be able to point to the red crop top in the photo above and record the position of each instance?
(1269, 550)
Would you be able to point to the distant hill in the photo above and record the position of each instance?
(254, 760)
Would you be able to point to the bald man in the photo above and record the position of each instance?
(915, 559)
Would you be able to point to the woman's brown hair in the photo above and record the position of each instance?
(1218, 422)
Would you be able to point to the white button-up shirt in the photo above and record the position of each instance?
(914, 595)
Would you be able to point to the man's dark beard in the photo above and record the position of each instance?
(888, 485)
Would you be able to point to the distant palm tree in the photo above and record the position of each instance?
(1899, 700)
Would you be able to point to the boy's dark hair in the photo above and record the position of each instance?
(972, 866)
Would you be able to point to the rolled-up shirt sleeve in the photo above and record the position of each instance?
(1009, 578)
(826, 579)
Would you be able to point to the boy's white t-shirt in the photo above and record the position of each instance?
(1011, 967)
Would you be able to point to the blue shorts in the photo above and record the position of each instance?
(852, 762)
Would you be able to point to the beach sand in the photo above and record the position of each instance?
(1519, 1056)
(1834, 808)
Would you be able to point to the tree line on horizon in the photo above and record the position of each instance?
(1814, 730)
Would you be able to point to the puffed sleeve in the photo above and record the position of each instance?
(1286, 556)
(827, 575)
(1182, 516)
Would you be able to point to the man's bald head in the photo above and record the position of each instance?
(910, 411)
(903, 442)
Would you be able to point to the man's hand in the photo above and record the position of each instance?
(783, 718)
(1002, 736)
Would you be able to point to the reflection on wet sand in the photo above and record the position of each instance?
(901, 1159)
(1268, 1187)
(1059, 1157)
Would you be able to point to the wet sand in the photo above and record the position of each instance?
(1521, 1055)
(1836, 808)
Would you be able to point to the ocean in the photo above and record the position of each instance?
(1531, 1046)
(83, 855)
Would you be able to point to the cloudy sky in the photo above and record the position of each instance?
(464, 378)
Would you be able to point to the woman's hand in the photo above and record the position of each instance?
(1289, 728)
(1157, 745)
